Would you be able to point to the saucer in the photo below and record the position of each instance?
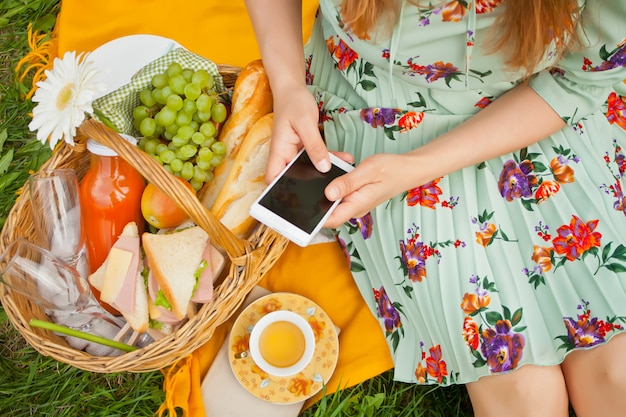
(293, 388)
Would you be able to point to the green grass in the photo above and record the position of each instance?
(34, 385)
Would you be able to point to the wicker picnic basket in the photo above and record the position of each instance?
(249, 260)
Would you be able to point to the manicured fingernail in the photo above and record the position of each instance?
(324, 165)
(333, 193)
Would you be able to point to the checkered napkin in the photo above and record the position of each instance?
(116, 108)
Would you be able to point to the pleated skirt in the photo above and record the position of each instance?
(518, 260)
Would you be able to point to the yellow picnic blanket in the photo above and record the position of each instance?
(218, 30)
(221, 31)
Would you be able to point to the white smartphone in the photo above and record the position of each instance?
(294, 203)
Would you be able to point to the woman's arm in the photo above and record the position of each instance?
(526, 114)
(278, 29)
(513, 121)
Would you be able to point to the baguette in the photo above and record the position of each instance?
(252, 99)
(245, 180)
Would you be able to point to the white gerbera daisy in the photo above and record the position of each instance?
(64, 98)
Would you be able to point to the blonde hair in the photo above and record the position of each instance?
(527, 27)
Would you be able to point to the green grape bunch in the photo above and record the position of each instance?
(178, 119)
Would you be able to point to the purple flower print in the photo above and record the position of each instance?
(616, 60)
(344, 248)
(376, 116)
(387, 311)
(619, 57)
(364, 224)
(413, 259)
(586, 330)
(501, 347)
(516, 180)
(583, 333)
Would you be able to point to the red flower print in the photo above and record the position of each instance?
(440, 70)
(545, 190)
(453, 11)
(618, 193)
(486, 6)
(616, 112)
(483, 102)
(436, 367)
(426, 195)
(563, 173)
(410, 120)
(576, 238)
(418, 69)
(470, 333)
(345, 55)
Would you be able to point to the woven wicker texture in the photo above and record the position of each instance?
(249, 260)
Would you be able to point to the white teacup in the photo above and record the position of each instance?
(282, 343)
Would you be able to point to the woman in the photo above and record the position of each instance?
(485, 218)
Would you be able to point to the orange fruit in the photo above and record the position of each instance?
(161, 211)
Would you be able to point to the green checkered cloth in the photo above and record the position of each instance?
(117, 106)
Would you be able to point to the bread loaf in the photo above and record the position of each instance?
(252, 99)
(245, 180)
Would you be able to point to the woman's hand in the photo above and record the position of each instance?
(295, 125)
(375, 180)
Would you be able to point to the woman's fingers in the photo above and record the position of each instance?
(362, 189)
(296, 126)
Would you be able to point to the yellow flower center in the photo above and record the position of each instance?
(65, 95)
(501, 356)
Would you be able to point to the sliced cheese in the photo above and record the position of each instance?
(118, 265)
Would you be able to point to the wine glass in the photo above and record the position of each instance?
(55, 204)
(46, 280)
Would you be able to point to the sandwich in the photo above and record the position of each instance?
(120, 279)
(182, 264)
(159, 287)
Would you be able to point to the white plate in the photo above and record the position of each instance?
(119, 59)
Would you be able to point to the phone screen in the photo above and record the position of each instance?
(298, 196)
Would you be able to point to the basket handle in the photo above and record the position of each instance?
(167, 183)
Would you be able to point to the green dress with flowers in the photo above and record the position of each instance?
(517, 260)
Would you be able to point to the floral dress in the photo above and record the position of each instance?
(517, 260)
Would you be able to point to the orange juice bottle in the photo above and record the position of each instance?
(110, 198)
